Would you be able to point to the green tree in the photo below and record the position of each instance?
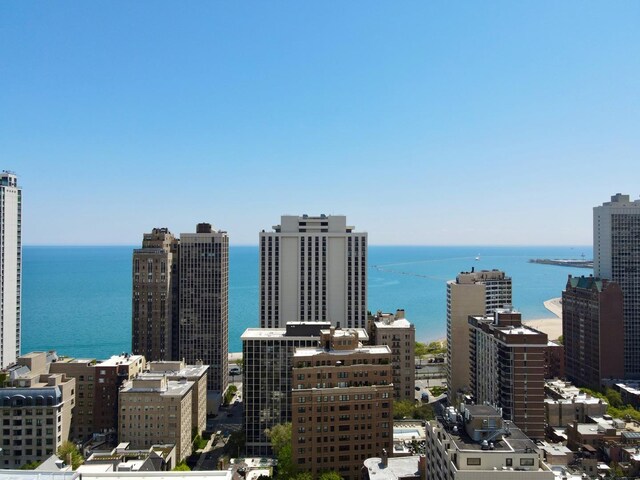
(279, 436)
(408, 409)
(69, 449)
(181, 467)
(31, 465)
(614, 398)
(420, 351)
(330, 475)
(303, 476)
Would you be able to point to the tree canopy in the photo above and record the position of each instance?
(69, 449)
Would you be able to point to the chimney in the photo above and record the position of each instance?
(385, 458)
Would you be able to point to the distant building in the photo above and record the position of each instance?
(399, 335)
(506, 362)
(476, 443)
(36, 410)
(267, 355)
(155, 296)
(593, 330)
(97, 386)
(204, 303)
(313, 269)
(342, 401)
(554, 360)
(471, 293)
(11, 265)
(155, 410)
(566, 404)
(616, 249)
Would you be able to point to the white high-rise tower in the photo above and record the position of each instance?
(313, 269)
(616, 256)
(11, 264)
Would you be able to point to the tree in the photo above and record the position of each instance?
(182, 467)
(420, 351)
(280, 436)
(402, 409)
(303, 476)
(614, 398)
(330, 475)
(69, 449)
(31, 465)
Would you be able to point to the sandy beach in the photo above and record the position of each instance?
(552, 326)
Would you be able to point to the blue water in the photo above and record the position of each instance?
(77, 300)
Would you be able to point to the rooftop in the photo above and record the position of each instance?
(367, 349)
(124, 359)
(397, 467)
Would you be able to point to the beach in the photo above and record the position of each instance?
(552, 326)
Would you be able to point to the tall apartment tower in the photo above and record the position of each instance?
(507, 364)
(616, 250)
(11, 265)
(471, 293)
(313, 269)
(593, 330)
(203, 333)
(395, 331)
(155, 294)
(342, 401)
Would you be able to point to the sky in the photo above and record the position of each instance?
(426, 123)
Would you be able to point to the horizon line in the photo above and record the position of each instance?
(79, 245)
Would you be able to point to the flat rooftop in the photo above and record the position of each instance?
(120, 360)
(173, 388)
(368, 349)
(397, 323)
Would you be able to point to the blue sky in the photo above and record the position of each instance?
(424, 122)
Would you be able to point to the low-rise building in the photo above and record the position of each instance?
(403, 468)
(35, 408)
(342, 401)
(566, 404)
(155, 410)
(395, 331)
(477, 444)
(157, 458)
(601, 431)
(97, 383)
(197, 374)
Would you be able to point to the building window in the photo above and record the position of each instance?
(526, 462)
(473, 461)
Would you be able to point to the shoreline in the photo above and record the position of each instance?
(552, 326)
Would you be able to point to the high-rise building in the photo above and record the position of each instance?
(342, 401)
(203, 333)
(266, 385)
(11, 265)
(471, 293)
(507, 365)
(395, 331)
(313, 269)
(155, 293)
(616, 250)
(593, 330)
